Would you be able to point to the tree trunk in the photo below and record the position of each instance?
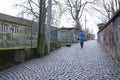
(119, 3)
(41, 35)
(48, 28)
(112, 7)
(78, 26)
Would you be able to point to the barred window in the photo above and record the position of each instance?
(4, 27)
(15, 28)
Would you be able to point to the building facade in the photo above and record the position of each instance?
(64, 35)
(54, 34)
(17, 32)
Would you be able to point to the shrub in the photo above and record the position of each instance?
(54, 45)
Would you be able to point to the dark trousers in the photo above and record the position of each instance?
(81, 44)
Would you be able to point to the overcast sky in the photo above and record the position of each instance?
(7, 7)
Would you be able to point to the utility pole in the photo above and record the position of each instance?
(48, 28)
(85, 22)
(85, 26)
(92, 33)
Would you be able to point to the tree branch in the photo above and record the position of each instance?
(31, 8)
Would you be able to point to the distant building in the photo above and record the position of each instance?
(54, 34)
(19, 32)
(64, 35)
(16, 31)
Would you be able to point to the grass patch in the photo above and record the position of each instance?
(12, 48)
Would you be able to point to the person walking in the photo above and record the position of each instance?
(81, 38)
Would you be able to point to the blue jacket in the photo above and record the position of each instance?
(81, 37)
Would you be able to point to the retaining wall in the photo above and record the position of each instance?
(11, 57)
(109, 37)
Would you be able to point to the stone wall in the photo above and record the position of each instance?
(12, 57)
(109, 37)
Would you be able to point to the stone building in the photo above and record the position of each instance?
(17, 32)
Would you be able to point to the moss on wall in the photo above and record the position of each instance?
(46, 50)
(6, 58)
(12, 57)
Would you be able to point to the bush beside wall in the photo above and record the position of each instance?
(54, 45)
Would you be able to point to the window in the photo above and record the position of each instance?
(15, 29)
(4, 27)
(63, 33)
(11, 29)
(1, 36)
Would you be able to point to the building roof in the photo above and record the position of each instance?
(65, 28)
(12, 19)
(53, 28)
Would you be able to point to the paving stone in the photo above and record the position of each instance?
(92, 62)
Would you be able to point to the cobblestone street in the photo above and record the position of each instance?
(92, 62)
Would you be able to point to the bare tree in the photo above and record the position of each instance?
(57, 12)
(37, 11)
(76, 8)
(116, 4)
(41, 29)
(106, 8)
(31, 9)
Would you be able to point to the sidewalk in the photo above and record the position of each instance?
(92, 62)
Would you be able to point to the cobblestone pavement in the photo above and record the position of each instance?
(92, 62)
